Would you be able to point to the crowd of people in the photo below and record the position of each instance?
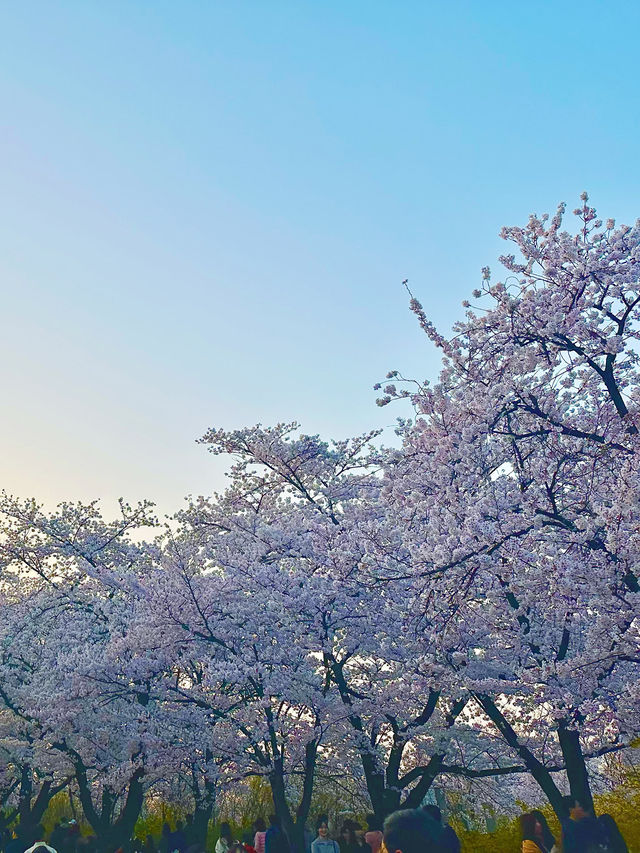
(350, 838)
(407, 831)
(582, 832)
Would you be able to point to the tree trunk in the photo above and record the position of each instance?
(294, 829)
(374, 777)
(204, 798)
(416, 795)
(111, 834)
(577, 772)
(280, 805)
(200, 825)
(535, 767)
(30, 812)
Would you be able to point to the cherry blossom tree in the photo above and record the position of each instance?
(465, 605)
(301, 515)
(517, 489)
(67, 580)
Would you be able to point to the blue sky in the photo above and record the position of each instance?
(209, 207)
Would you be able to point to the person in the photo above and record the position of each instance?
(189, 831)
(56, 839)
(543, 832)
(614, 836)
(88, 844)
(260, 828)
(275, 841)
(348, 841)
(411, 831)
(308, 837)
(73, 836)
(361, 843)
(32, 839)
(177, 839)
(165, 836)
(16, 844)
(582, 833)
(149, 845)
(225, 841)
(247, 843)
(373, 835)
(449, 842)
(322, 843)
(535, 833)
(40, 847)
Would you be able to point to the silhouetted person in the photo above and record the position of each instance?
(449, 841)
(614, 836)
(582, 832)
(411, 831)
(177, 839)
(275, 840)
(149, 845)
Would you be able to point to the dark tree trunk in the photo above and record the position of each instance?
(536, 768)
(111, 833)
(385, 786)
(294, 827)
(577, 772)
(204, 797)
(30, 811)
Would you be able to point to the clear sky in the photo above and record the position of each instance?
(208, 209)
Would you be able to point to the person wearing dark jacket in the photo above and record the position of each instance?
(275, 841)
(449, 841)
(349, 840)
(582, 832)
(610, 827)
(411, 831)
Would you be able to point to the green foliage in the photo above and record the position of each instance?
(156, 813)
(64, 806)
(506, 837)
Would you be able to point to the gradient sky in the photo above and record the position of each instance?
(208, 209)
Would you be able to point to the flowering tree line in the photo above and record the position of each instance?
(464, 606)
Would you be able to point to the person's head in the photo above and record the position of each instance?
(322, 826)
(166, 829)
(260, 825)
(527, 827)
(274, 820)
(434, 812)
(373, 824)
(611, 828)
(410, 831)
(542, 830)
(348, 833)
(577, 809)
(225, 832)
